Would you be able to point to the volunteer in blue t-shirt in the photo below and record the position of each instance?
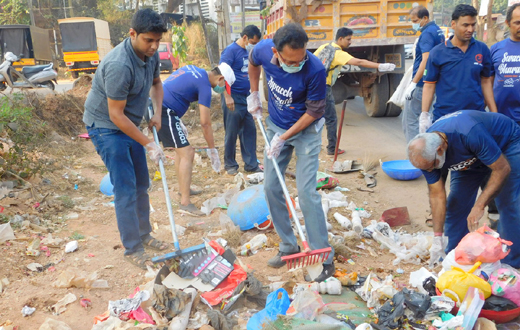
(471, 145)
(431, 36)
(458, 72)
(238, 122)
(506, 67)
(189, 84)
(296, 82)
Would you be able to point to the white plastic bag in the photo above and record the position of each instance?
(399, 97)
(6, 232)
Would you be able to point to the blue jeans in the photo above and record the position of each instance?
(331, 120)
(306, 145)
(125, 159)
(464, 187)
(239, 123)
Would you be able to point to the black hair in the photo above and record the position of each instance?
(292, 35)
(344, 32)
(510, 10)
(463, 10)
(216, 71)
(147, 20)
(420, 12)
(251, 31)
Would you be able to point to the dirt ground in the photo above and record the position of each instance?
(72, 207)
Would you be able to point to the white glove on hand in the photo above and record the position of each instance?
(436, 251)
(409, 90)
(425, 121)
(155, 153)
(386, 67)
(184, 129)
(254, 105)
(276, 146)
(215, 160)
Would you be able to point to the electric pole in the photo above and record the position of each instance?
(31, 13)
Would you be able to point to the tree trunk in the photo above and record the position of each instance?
(136, 5)
(480, 20)
(173, 5)
(491, 32)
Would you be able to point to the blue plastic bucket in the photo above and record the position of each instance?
(248, 209)
(106, 186)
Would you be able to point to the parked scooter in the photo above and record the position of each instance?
(35, 76)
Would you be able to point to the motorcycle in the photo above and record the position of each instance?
(35, 76)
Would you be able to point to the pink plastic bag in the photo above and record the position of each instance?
(505, 283)
(483, 245)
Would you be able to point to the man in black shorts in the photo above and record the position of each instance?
(186, 85)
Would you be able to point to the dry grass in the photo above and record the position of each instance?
(197, 53)
(369, 162)
(232, 234)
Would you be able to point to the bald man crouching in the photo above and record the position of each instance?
(471, 144)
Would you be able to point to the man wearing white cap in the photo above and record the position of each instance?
(189, 84)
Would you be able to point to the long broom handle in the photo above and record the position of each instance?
(285, 191)
(340, 130)
(165, 188)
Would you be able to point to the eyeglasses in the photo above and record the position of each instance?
(299, 63)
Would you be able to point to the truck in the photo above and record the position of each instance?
(32, 44)
(85, 41)
(381, 29)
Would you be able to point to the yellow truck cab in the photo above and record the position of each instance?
(85, 41)
(32, 43)
(381, 29)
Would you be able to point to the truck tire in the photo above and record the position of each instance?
(339, 91)
(74, 74)
(392, 109)
(375, 102)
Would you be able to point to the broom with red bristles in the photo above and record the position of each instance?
(308, 257)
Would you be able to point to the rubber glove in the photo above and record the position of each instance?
(436, 251)
(275, 147)
(215, 160)
(409, 90)
(155, 152)
(184, 129)
(254, 105)
(386, 67)
(425, 121)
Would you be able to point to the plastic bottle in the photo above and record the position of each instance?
(356, 222)
(253, 245)
(343, 221)
(330, 286)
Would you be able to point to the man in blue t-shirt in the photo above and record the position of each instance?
(458, 72)
(237, 121)
(431, 36)
(189, 84)
(506, 67)
(296, 82)
(472, 145)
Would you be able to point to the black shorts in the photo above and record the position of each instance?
(171, 134)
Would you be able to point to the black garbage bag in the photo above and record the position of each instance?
(499, 304)
(429, 286)
(417, 302)
(391, 313)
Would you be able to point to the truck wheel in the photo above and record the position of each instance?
(74, 74)
(392, 109)
(339, 91)
(375, 102)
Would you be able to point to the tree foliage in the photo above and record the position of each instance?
(14, 12)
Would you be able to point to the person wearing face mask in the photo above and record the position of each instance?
(472, 145)
(340, 57)
(431, 36)
(237, 121)
(189, 84)
(296, 104)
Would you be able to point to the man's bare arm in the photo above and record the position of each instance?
(116, 111)
(205, 122)
(157, 95)
(437, 193)
(487, 90)
(427, 97)
(298, 126)
(420, 71)
(254, 77)
(363, 63)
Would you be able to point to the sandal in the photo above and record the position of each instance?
(156, 244)
(429, 221)
(139, 259)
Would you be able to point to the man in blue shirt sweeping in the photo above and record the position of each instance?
(506, 67)
(458, 72)
(189, 84)
(296, 81)
(431, 36)
(237, 121)
(472, 145)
